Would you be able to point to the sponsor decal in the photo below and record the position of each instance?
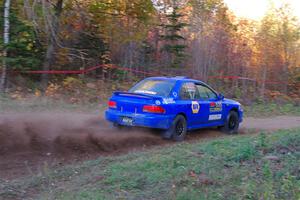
(157, 102)
(175, 94)
(168, 101)
(215, 107)
(215, 117)
(195, 107)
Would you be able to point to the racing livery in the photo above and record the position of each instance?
(175, 105)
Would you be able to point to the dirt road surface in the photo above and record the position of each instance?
(32, 142)
(272, 124)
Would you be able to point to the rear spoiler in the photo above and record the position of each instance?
(131, 94)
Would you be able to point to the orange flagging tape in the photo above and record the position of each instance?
(85, 71)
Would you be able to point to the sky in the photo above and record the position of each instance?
(256, 9)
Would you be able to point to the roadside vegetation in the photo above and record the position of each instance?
(262, 166)
(45, 104)
(92, 103)
(271, 109)
(88, 95)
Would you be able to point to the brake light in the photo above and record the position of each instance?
(153, 109)
(112, 104)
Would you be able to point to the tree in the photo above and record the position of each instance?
(6, 42)
(277, 42)
(174, 46)
(53, 26)
(209, 36)
(289, 35)
(124, 25)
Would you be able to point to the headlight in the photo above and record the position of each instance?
(241, 108)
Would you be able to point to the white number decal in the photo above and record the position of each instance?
(214, 117)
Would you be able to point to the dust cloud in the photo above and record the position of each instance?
(67, 133)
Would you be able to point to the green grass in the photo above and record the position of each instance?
(271, 109)
(234, 167)
(40, 104)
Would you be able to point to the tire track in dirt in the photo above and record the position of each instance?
(30, 142)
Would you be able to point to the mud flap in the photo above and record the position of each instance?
(167, 134)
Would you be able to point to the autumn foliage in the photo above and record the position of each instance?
(201, 39)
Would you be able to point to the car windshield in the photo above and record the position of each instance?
(154, 87)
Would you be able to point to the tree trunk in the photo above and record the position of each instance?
(286, 69)
(6, 41)
(263, 84)
(48, 63)
(54, 26)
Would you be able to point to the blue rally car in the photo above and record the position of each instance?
(175, 105)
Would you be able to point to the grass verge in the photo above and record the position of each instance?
(264, 166)
(39, 104)
(44, 104)
(271, 109)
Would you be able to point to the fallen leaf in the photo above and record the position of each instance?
(192, 174)
(205, 180)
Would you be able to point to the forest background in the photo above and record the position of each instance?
(250, 60)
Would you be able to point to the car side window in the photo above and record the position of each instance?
(189, 91)
(205, 93)
(202, 92)
(211, 94)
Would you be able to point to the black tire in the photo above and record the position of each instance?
(178, 129)
(231, 124)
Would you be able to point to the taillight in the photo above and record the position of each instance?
(153, 109)
(112, 104)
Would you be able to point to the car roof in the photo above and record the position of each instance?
(175, 78)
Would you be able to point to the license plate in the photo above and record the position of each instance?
(127, 120)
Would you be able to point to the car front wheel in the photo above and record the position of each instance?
(231, 125)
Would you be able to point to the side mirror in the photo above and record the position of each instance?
(221, 96)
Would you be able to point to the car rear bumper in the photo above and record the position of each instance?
(142, 120)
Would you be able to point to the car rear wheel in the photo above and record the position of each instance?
(178, 129)
(232, 123)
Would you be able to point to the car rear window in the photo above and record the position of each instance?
(154, 87)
